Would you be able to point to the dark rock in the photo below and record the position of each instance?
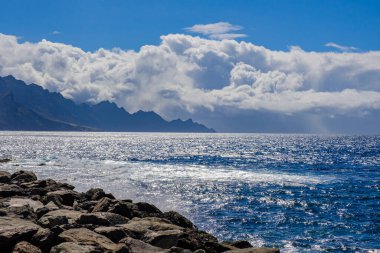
(103, 205)
(241, 244)
(163, 239)
(44, 239)
(5, 177)
(178, 219)
(22, 176)
(5, 160)
(102, 219)
(113, 233)
(11, 190)
(14, 230)
(56, 199)
(25, 247)
(71, 247)
(41, 211)
(59, 217)
(137, 246)
(67, 196)
(95, 194)
(87, 237)
(143, 209)
(193, 240)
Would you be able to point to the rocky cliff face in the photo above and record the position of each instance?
(30, 107)
(48, 216)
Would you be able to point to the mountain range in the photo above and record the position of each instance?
(31, 107)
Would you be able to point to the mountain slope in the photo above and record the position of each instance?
(47, 109)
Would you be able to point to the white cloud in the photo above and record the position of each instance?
(341, 48)
(218, 31)
(186, 75)
(56, 32)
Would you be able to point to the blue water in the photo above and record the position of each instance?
(301, 193)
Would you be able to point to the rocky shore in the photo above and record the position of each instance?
(49, 216)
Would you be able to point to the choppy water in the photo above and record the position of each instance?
(302, 193)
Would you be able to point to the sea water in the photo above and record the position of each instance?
(301, 193)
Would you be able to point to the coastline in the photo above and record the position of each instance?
(49, 216)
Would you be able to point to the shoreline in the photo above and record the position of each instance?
(49, 216)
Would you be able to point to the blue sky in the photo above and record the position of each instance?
(91, 24)
(236, 66)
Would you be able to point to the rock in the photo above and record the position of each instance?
(19, 202)
(102, 219)
(115, 234)
(163, 239)
(10, 190)
(178, 219)
(178, 250)
(24, 212)
(194, 239)
(67, 196)
(71, 247)
(87, 237)
(139, 226)
(44, 239)
(254, 250)
(22, 176)
(5, 177)
(14, 230)
(59, 217)
(137, 246)
(95, 194)
(142, 209)
(115, 206)
(25, 247)
(5, 160)
(241, 244)
(103, 205)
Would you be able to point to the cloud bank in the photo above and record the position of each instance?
(218, 31)
(188, 76)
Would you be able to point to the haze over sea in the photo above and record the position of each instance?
(302, 193)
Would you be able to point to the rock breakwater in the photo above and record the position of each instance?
(48, 216)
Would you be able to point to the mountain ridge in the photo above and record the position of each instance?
(47, 110)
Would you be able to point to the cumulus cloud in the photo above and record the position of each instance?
(55, 32)
(218, 31)
(341, 48)
(186, 75)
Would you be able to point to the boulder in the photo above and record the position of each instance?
(5, 160)
(44, 239)
(22, 176)
(10, 190)
(254, 250)
(123, 208)
(163, 239)
(14, 230)
(102, 219)
(85, 236)
(137, 246)
(139, 226)
(115, 234)
(241, 244)
(194, 239)
(143, 209)
(96, 194)
(67, 196)
(103, 205)
(178, 219)
(5, 177)
(71, 247)
(59, 217)
(25, 247)
(19, 202)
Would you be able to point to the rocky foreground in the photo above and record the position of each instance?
(48, 216)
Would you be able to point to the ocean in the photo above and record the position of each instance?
(301, 193)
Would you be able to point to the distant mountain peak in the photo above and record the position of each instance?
(51, 111)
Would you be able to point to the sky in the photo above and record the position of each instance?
(236, 66)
